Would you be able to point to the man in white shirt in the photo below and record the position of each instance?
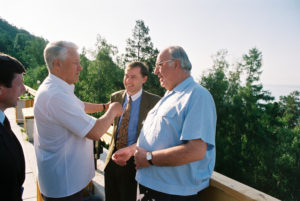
(64, 132)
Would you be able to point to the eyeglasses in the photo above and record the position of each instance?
(159, 64)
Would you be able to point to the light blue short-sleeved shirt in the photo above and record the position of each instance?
(185, 113)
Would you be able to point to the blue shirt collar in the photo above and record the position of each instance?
(2, 117)
(181, 86)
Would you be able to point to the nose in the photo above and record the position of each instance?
(23, 88)
(156, 70)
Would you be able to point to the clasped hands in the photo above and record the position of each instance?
(121, 156)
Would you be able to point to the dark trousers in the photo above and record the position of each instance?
(120, 184)
(75, 197)
(147, 194)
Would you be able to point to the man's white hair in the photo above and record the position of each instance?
(177, 52)
(57, 50)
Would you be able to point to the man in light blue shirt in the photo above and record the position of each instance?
(175, 154)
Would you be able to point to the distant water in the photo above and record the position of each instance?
(280, 90)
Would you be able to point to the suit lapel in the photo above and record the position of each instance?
(121, 100)
(7, 137)
(12, 143)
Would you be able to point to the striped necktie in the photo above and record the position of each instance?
(123, 132)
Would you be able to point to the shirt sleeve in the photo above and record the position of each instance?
(200, 118)
(68, 111)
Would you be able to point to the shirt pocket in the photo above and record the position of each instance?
(169, 112)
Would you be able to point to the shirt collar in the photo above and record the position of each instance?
(135, 96)
(62, 83)
(182, 85)
(2, 117)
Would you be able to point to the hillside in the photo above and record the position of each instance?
(21, 44)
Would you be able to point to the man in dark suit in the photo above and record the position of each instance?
(120, 184)
(12, 166)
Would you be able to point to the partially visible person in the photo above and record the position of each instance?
(12, 166)
(120, 184)
(64, 132)
(175, 154)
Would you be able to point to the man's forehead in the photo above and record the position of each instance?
(133, 70)
(18, 76)
(163, 55)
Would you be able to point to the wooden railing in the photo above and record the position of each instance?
(30, 90)
(221, 188)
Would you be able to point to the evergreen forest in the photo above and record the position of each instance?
(257, 137)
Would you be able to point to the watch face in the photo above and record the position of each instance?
(149, 156)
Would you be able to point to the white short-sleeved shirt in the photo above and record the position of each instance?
(64, 155)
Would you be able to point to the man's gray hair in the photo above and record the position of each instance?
(57, 50)
(177, 52)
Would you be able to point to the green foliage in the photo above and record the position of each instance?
(28, 49)
(26, 96)
(99, 77)
(257, 139)
(140, 48)
(290, 109)
(35, 76)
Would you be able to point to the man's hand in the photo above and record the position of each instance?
(115, 108)
(106, 106)
(140, 158)
(123, 155)
(103, 123)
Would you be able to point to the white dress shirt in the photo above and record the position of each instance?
(64, 155)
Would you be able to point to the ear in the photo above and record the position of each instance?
(56, 63)
(56, 66)
(145, 79)
(177, 64)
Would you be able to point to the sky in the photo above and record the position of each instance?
(201, 27)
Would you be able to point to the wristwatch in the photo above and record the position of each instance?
(149, 157)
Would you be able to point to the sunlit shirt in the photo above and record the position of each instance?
(64, 155)
(185, 113)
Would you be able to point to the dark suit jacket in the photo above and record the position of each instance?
(12, 167)
(147, 103)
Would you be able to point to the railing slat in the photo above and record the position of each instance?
(30, 90)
